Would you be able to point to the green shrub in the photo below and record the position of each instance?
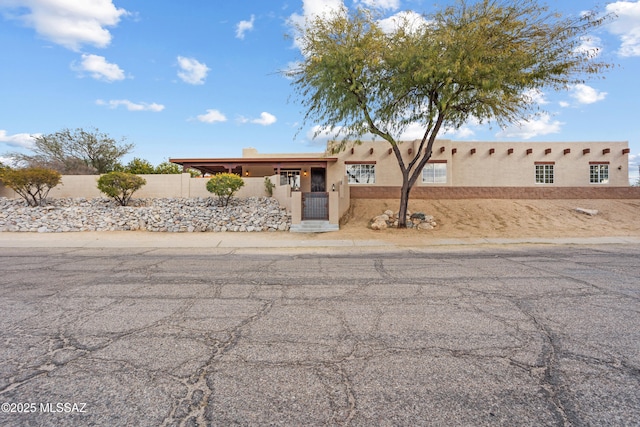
(120, 185)
(168, 168)
(269, 186)
(139, 166)
(32, 184)
(224, 185)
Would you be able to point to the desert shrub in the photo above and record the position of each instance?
(120, 185)
(269, 186)
(32, 184)
(224, 185)
(139, 166)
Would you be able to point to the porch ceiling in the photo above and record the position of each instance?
(225, 164)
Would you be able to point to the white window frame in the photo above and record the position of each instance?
(599, 173)
(434, 173)
(361, 173)
(545, 173)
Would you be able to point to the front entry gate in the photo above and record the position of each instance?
(315, 205)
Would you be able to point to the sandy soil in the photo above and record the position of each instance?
(501, 218)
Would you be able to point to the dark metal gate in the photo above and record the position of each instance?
(315, 206)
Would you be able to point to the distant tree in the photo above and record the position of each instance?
(120, 185)
(139, 167)
(32, 184)
(168, 168)
(75, 152)
(224, 185)
(477, 60)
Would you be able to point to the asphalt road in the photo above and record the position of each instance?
(520, 335)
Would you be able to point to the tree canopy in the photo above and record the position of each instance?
(32, 184)
(473, 60)
(75, 152)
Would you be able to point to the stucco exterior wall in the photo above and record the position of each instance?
(493, 164)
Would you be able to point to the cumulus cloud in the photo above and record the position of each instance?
(265, 119)
(311, 9)
(131, 106)
(382, 4)
(586, 94)
(192, 71)
(541, 125)
(591, 45)
(22, 140)
(409, 20)
(212, 116)
(626, 26)
(98, 67)
(535, 96)
(69, 23)
(244, 26)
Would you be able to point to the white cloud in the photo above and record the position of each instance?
(192, 71)
(265, 119)
(382, 4)
(591, 45)
(542, 125)
(535, 96)
(131, 106)
(244, 26)
(409, 20)
(626, 26)
(586, 94)
(564, 104)
(311, 9)
(99, 68)
(212, 116)
(23, 140)
(70, 23)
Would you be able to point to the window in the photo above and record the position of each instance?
(434, 173)
(544, 174)
(361, 174)
(290, 177)
(599, 174)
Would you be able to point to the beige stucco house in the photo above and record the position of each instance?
(456, 170)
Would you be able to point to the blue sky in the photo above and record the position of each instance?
(201, 78)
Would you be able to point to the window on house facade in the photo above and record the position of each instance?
(599, 174)
(290, 177)
(361, 173)
(544, 174)
(434, 173)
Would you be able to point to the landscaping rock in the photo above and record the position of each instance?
(590, 212)
(252, 214)
(417, 220)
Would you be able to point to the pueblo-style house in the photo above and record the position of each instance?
(319, 186)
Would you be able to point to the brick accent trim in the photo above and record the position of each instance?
(435, 192)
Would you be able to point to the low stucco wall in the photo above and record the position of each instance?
(170, 185)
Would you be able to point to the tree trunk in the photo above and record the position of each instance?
(404, 200)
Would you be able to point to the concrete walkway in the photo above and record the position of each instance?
(132, 239)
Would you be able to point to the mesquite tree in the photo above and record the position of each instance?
(473, 60)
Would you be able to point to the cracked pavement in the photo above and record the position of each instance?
(524, 335)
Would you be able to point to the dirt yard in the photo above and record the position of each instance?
(501, 218)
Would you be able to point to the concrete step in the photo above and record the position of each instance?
(313, 227)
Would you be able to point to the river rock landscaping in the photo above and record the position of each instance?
(389, 219)
(168, 214)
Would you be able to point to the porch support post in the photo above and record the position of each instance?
(296, 207)
(334, 207)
